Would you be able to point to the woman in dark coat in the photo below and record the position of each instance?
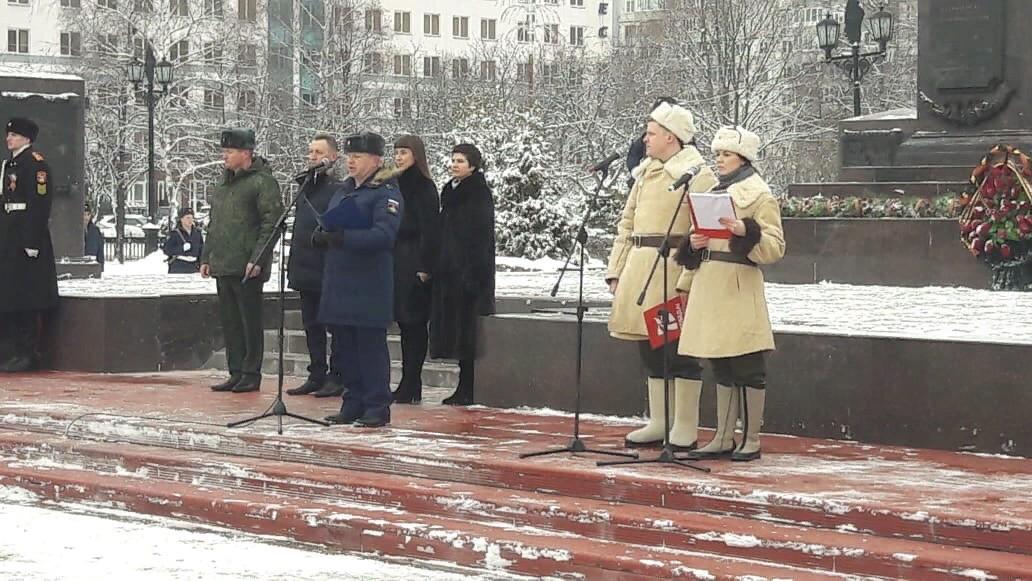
(464, 275)
(184, 245)
(414, 255)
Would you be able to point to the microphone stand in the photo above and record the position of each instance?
(666, 456)
(278, 409)
(576, 445)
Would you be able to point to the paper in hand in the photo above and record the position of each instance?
(708, 209)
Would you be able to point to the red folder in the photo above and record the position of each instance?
(719, 233)
(654, 322)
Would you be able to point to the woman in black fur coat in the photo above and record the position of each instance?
(464, 275)
(414, 255)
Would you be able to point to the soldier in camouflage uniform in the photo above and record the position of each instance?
(244, 211)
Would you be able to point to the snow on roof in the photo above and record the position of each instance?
(38, 75)
(45, 96)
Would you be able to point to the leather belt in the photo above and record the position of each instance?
(713, 255)
(654, 240)
(15, 207)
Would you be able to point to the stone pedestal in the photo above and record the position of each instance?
(974, 92)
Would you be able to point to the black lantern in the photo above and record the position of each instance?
(828, 31)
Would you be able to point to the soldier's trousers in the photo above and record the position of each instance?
(240, 312)
(362, 356)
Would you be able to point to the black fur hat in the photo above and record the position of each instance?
(24, 127)
(365, 142)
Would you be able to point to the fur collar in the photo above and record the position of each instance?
(747, 191)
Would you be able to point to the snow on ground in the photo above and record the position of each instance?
(932, 313)
(88, 543)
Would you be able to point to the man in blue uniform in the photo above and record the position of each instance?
(358, 231)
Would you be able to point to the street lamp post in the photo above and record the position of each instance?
(855, 64)
(150, 71)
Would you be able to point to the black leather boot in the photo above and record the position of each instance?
(229, 384)
(309, 386)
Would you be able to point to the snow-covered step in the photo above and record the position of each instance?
(554, 515)
(377, 528)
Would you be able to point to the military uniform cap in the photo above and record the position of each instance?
(365, 142)
(24, 127)
(238, 139)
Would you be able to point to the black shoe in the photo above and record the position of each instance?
(405, 395)
(341, 419)
(745, 456)
(689, 448)
(373, 420)
(309, 386)
(248, 383)
(459, 398)
(227, 385)
(650, 444)
(697, 455)
(330, 389)
(18, 364)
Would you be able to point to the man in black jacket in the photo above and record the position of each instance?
(305, 268)
(27, 267)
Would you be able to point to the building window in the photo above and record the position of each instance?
(432, 25)
(18, 2)
(71, 4)
(212, 53)
(525, 72)
(431, 66)
(179, 7)
(460, 68)
(214, 99)
(142, 6)
(488, 70)
(629, 6)
(247, 55)
(372, 63)
(373, 20)
(551, 34)
(525, 30)
(107, 44)
(403, 22)
(577, 3)
(402, 107)
(213, 8)
(577, 36)
(488, 29)
(247, 101)
(460, 26)
(550, 74)
(403, 65)
(179, 51)
(310, 98)
(71, 44)
(247, 10)
(138, 48)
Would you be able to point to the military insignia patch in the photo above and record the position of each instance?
(392, 206)
(12, 180)
(41, 183)
(37, 156)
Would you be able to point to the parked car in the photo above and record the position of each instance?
(133, 226)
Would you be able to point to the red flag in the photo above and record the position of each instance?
(654, 322)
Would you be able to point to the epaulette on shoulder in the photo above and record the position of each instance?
(37, 156)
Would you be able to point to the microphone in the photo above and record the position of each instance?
(604, 164)
(684, 180)
(320, 167)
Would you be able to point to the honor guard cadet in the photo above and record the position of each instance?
(27, 269)
(359, 231)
